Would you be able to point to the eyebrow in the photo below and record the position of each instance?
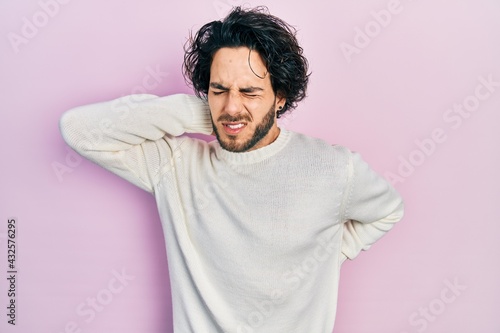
(250, 89)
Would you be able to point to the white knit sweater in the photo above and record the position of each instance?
(254, 240)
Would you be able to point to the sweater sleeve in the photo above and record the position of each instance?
(372, 208)
(135, 136)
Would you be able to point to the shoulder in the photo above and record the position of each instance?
(310, 145)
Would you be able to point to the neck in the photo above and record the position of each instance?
(271, 136)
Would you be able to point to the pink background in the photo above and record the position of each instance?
(80, 226)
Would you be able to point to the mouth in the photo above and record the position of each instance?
(233, 128)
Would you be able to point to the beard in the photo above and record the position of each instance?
(261, 130)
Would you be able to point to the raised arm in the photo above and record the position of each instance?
(133, 136)
(372, 208)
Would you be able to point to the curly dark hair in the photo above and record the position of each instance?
(271, 37)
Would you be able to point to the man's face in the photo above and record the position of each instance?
(243, 106)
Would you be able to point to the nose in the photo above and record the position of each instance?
(233, 103)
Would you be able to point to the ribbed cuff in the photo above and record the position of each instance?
(201, 120)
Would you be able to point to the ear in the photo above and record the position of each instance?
(280, 100)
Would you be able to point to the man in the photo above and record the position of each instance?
(258, 222)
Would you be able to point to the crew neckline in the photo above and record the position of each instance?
(259, 154)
